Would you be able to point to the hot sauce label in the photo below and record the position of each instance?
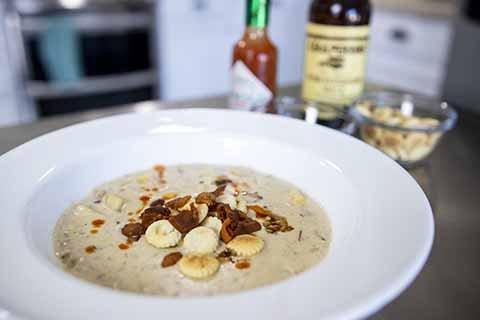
(334, 67)
(248, 92)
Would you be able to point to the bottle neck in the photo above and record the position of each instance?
(257, 14)
(255, 35)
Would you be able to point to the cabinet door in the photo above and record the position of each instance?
(421, 38)
(408, 52)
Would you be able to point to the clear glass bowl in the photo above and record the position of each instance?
(404, 126)
(297, 108)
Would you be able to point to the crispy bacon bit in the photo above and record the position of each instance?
(184, 221)
(222, 180)
(93, 231)
(243, 264)
(246, 226)
(171, 259)
(97, 223)
(178, 202)
(260, 211)
(236, 215)
(232, 228)
(158, 202)
(238, 223)
(225, 232)
(154, 189)
(133, 231)
(220, 190)
(241, 224)
(90, 249)
(123, 246)
(273, 222)
(151, 215)
(223, 210)
(194, 211)
(207, 198)
(160, 170)
(158, 210)
(144, 199)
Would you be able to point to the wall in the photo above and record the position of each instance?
(196, 38)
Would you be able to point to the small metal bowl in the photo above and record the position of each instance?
(404, 126)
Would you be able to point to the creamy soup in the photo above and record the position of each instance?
(236, 229)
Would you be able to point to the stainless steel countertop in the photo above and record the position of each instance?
(449, 285)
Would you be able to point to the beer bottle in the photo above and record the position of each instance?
(335, 53)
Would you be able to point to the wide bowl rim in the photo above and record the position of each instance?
(360, 308)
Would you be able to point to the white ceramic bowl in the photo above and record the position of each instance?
(382, 222)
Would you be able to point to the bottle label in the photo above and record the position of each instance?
(248, 92)
(335, 58)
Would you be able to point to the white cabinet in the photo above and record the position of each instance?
(408, 52)
(196, 38)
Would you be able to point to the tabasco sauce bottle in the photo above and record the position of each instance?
(335, 52)
(254, 69)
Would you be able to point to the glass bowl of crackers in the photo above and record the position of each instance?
(406, 127)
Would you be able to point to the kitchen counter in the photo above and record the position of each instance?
(449, 285)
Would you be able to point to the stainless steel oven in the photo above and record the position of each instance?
(76, 55)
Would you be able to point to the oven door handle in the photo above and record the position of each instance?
(92, 23)
(91, 85)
